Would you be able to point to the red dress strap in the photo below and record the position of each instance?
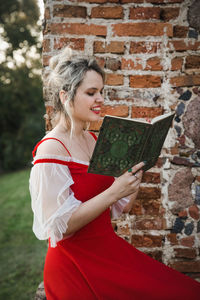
(94, 136)
(51, 138)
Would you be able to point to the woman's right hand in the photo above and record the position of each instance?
(128, 183)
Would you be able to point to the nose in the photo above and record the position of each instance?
(100, 98)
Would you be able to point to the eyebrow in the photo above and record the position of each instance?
(94, 88)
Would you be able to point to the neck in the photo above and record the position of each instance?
(78, 126)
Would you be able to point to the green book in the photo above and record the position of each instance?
(122, 143)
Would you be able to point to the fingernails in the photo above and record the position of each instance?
(145, 162)
(129, 170)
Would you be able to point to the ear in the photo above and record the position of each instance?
(63, 96)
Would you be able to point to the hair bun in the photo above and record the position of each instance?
(64, 55)
(53, 62)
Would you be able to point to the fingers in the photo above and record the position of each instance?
(137, 167)
(138, 176)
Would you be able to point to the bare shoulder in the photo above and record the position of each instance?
(51, 147)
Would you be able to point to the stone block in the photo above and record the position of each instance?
(191, 121)
(180, 190)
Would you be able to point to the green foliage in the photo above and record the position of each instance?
(21, 117)
(21, 254)
(21, 101)
(18, 18)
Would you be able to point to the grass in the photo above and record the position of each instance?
(21, 254)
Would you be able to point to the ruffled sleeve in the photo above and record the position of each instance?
(52, 200)
(118, 207)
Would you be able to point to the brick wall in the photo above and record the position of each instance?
(150, 51)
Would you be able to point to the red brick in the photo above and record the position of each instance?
(182, 140)
(129, 64)
(149, 193)
(76, 28)
(186, 266)
(187, 80)
(169, 13)
(145, 81)
(144, 47)
(160, 162)
(48, 125)
(180, 31)
(175, 149)
(144, 13)
(119, 110)
(123, 230)
(194, 212)
(49, 112)
(112, 47)
(180, 45)
(46, 45)
(150, 223)
(68, 11)
(187, 241)
(95, 126)
(114, 79)
(185, 253)
(148, 241)
(101, 61)
(151, 177)
(153, 64)
(151, 207)
(115, 47)
(155, 255)
(142, 29)
(107, 12)
(137, 208)
(45, 60)
(98, 1)
(99, 47)
(192, 62)
(172, 237)
(47, 15)
(146, 112)
(76, 44)
(131, 1)
(176, 63)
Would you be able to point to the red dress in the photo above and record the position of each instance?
(95, 263)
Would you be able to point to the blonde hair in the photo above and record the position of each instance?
(67, 72)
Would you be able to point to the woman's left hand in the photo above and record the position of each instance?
(133, 196)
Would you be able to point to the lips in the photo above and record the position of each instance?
(96, 109)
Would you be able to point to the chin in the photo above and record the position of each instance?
(94, 118)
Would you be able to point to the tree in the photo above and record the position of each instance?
(21, 101)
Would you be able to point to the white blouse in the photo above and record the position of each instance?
(53, 202)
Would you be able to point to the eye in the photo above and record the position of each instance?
(90, 94)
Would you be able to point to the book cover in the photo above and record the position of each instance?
(122, 143)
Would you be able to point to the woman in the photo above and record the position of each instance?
(85, 258)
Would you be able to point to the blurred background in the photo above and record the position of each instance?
(21, 126)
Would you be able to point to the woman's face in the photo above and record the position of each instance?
(89, 98)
